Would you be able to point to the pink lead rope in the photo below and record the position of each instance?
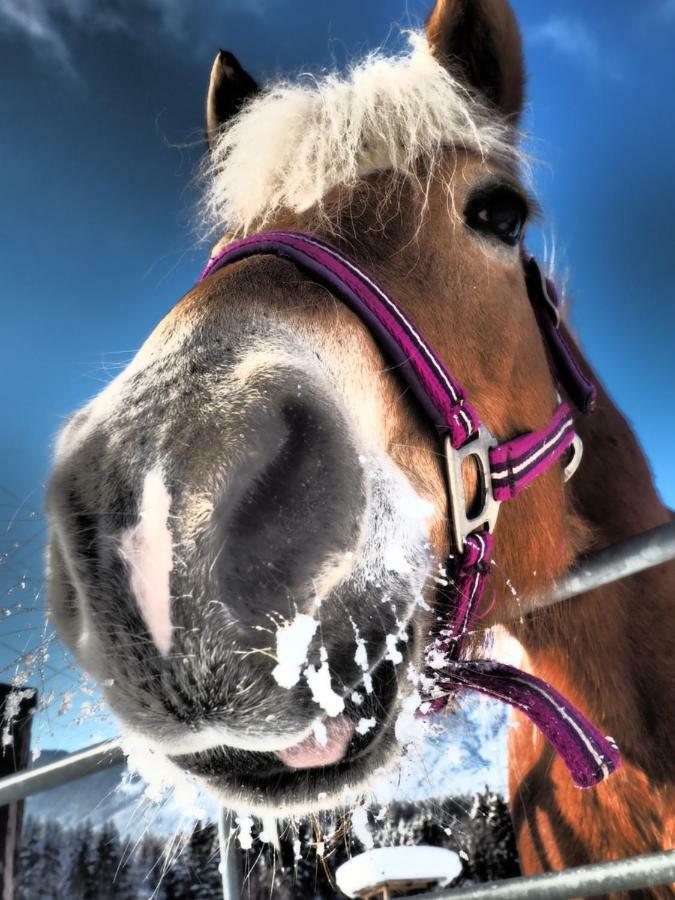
(505, 470)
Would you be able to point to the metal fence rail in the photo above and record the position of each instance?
(85, 762)
(644, 551)
(649, 870)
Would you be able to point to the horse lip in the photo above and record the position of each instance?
(353, 744)
(325, 746)
(217, 737)
(206, 763)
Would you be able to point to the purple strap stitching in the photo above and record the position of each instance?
(457, 394)
(515, 464)
(588, 755)
(433, 382)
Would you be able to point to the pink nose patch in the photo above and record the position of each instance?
(148, 551)
(320, 749)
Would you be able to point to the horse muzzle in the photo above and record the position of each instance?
(183, 544)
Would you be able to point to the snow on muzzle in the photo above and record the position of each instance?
(186, 542)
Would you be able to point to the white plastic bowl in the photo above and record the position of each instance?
(392, 865)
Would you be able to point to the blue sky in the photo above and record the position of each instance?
(101, 106)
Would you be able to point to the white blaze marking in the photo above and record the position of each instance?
(148, 551)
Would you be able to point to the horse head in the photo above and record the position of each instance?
(247, 524)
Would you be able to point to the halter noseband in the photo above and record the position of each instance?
(505, 469)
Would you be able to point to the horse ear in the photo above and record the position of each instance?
(479, 40)
(230, 86)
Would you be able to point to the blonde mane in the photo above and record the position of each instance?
(293, 143)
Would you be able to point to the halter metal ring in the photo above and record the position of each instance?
(462, 523)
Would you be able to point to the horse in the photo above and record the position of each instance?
(249, 525)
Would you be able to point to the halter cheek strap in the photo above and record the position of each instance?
(505, 469)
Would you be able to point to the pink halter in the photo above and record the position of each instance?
(504, 471)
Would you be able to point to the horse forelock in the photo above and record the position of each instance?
(295, 142)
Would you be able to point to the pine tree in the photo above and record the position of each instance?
(113, 876)
(126, 885)
(204, 859)
(53, 848)
(105, 861)
(30, 859)
(80, 883)
(491, 842)
(176, 881)
(505, 852)
(149, 864)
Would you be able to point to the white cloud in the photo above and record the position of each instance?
(572, 38)
(32, 20)
(666, 10)
(46, 24)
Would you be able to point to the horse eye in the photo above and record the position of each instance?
(499, 212)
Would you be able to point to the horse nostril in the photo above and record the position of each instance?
(294, 505)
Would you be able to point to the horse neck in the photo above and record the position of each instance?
(612, 648)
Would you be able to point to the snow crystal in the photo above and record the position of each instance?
(361, 655)
(11, 711)
(361, 828)
(365, 725)
(436, 659)
(166, 783)
(320, 685)
(293, 642)
(320, 732)
(361, 660)
(245, 833)
(66, 703)
(407, 728)
(393, 653)
(395, 559)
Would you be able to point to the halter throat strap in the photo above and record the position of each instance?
(505, 469)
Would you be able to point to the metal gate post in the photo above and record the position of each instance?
(230, 863)
(15, 725)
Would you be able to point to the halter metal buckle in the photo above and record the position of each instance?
(577, 448)
(461, 523)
